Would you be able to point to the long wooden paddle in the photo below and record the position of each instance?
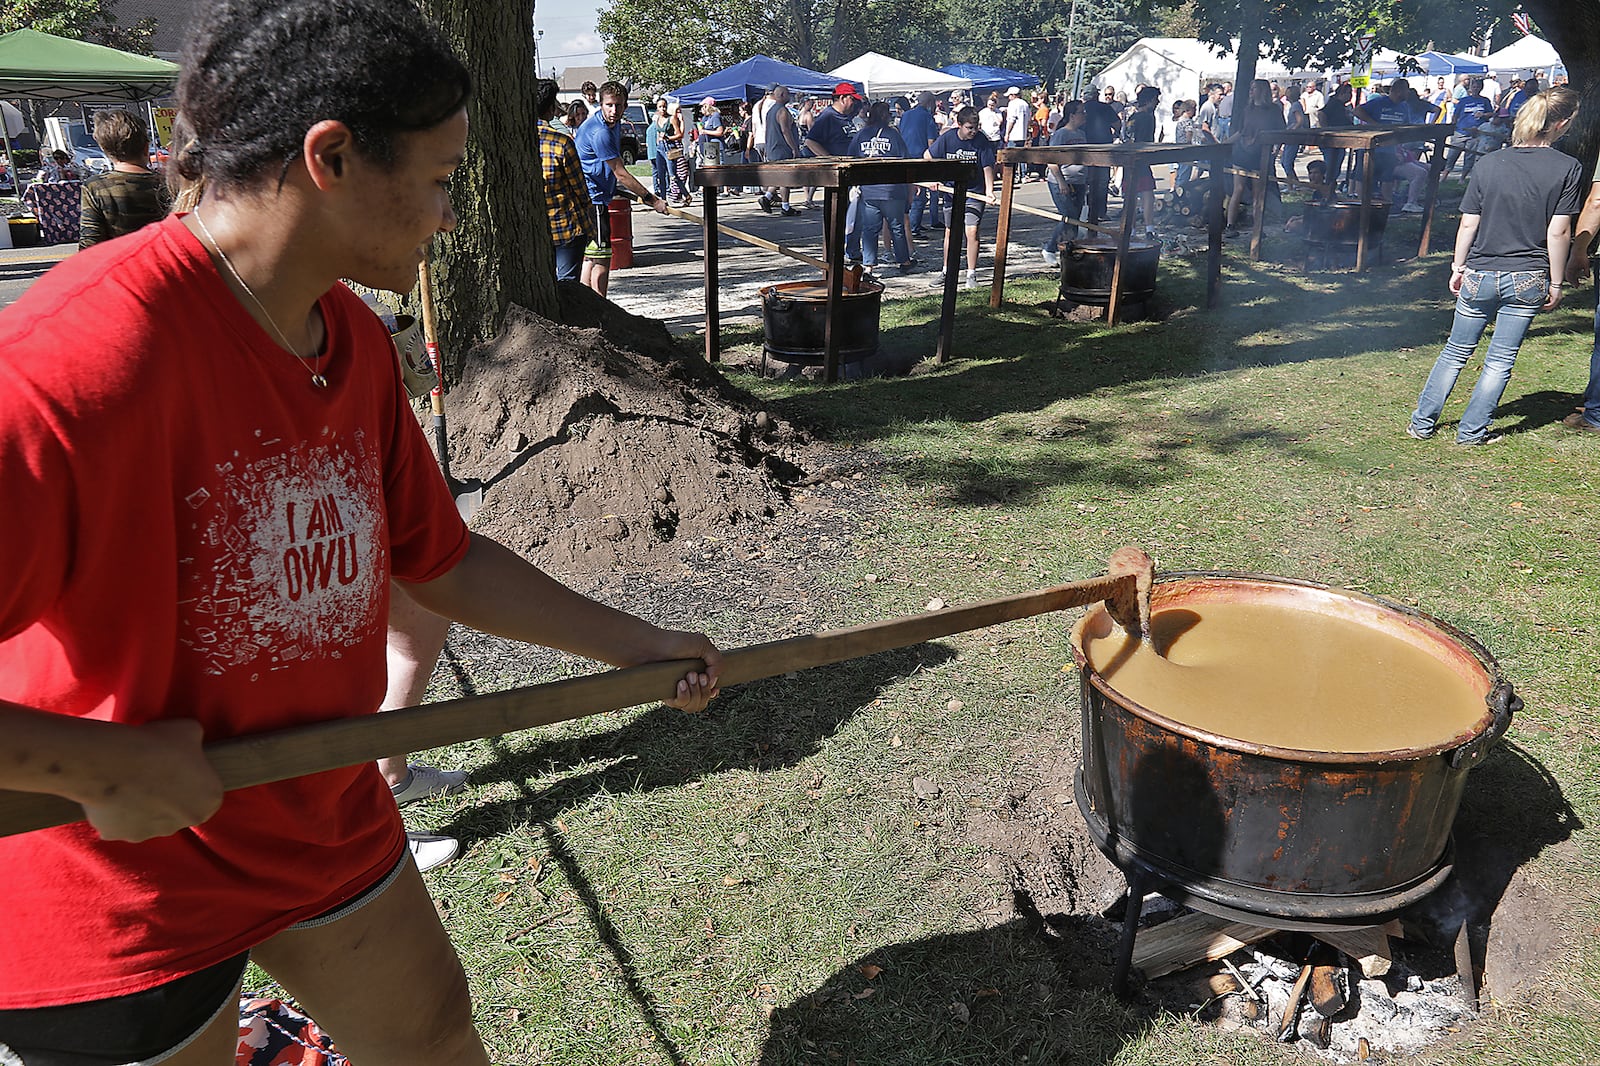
(264, 757)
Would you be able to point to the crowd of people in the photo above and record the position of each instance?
(323, 150)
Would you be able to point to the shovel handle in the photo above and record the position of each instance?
(265, 757)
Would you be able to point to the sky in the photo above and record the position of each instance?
(569, 38)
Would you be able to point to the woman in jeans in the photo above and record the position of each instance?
(1516, 227)
(882, 205)
(1066, 183)
(660, 165)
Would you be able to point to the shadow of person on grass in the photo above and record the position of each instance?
(1536, 410)
(977, 998)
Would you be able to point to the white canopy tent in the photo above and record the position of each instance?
(882, 76)
(1178, 66)
(1533, 54)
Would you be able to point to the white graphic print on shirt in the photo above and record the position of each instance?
(289, 556)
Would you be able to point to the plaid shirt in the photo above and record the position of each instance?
(566, 195)
(118, 203)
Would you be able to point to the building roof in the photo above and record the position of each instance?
(572, 78)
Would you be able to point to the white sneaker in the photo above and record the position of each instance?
(1412, 209)
(423, 782)
(1051, 259)
(972, 279)
(429, 850)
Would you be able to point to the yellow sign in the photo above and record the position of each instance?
(163, 123)
(1361, 76)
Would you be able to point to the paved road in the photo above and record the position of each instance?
(667, 278)
(20, 267)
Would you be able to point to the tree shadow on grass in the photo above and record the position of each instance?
(1018, 360)
(1009, 994)
(763, 725)
(1094, 451)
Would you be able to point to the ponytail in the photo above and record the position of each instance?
(1541, 113)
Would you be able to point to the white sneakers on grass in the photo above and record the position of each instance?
(429, 849)
(422, 782)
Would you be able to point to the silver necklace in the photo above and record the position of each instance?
(316, 376)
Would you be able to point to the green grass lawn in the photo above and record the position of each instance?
(646, 888)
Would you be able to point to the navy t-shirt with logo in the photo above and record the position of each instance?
(979, 149)
(880, 142)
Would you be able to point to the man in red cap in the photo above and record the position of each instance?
(830, 136)
(830, 130)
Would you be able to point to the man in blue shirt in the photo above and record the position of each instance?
(830, 130)
(599, 142)
(1472, 110)
(963, 141)
(918, 129)
(830, 136)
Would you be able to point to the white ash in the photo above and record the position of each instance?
(1421, 1014)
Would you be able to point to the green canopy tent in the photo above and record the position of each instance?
(41, 66)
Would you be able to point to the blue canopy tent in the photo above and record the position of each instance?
(751, 79)
(990, 79)
(1445, 63)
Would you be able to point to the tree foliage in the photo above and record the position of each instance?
(1103, 31)
(667, 45)
(664, 47)
(94, 21)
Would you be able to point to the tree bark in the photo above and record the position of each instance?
(500, 252)
(1249, 54)
(1573, 27)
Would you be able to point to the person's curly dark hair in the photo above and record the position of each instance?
(257, 74)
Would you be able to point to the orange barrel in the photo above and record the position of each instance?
(621, 233)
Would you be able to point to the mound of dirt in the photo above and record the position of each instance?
(604, 444)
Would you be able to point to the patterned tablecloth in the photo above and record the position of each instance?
(57, 206)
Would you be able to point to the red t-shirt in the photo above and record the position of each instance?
(194, 530)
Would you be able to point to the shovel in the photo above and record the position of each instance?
(468, 494)
(255, 760)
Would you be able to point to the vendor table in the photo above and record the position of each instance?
(57, 206)
(1116, 155)
(1361, 139)
(835, 176)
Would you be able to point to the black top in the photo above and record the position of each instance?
(1101, 122)
(1256, 120)
(1142, 126)
(1515, 192)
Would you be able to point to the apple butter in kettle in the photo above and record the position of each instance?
(1275, 674)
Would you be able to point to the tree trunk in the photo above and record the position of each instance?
(1249, 53)
(501, 252)
(1573, 27)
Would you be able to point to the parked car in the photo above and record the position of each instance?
(73, 136)
(632, 142)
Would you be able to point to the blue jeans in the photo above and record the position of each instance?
(658, 174)
(1512, 297)
(924, 200)
(1069, 202)
(875, 214)
(1591, 395)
